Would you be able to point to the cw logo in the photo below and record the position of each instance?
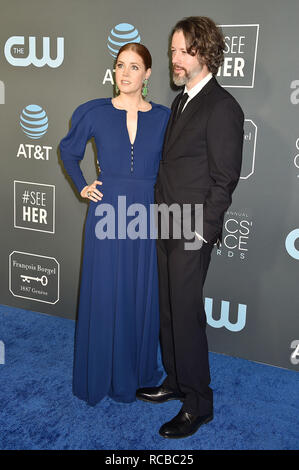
(16, 41)
(224, 316)
(290, 243)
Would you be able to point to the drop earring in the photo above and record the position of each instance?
(144, 88)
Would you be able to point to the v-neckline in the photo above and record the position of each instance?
(132, 143)
(126, 123)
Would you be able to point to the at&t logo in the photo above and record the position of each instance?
(34, 124)
(121, 34)
(34, 121)
(14, 45)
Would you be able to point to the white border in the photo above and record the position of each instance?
(254, 147)
(40, 256)
(28, 228)
(255, 53)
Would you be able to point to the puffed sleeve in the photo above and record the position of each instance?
(72, 146)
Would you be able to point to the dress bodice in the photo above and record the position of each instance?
(117, 157)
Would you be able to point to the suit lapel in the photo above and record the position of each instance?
(173, 132)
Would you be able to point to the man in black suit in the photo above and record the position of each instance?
(201, 164)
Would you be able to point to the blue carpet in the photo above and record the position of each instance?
(256, 406)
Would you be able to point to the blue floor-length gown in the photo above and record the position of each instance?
(117, 328)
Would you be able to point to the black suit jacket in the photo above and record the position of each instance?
(202, 156)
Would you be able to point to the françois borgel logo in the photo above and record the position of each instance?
(238, 69)
(21, 52)
(120, 35)
(34, 206)
(34, 277)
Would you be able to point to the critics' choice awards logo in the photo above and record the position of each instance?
(237, 228)
(296, 157)
(232, 319)
(34, 206)
(290, 243)
(238, 69)
(34, 277)
(21, 52)
(121, 34)
(34, 123)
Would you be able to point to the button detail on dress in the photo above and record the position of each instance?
(132, 158)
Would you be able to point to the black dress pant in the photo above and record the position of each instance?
(184, 346)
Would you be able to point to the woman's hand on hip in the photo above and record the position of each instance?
(91, 192)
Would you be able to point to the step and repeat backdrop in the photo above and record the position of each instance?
(56, 55)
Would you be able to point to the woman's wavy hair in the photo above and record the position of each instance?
(203, 38)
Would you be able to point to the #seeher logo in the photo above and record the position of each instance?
(120, 35)
(34, 121)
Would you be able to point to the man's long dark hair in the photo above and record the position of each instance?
(203, 38)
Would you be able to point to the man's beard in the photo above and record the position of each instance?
(180, 81)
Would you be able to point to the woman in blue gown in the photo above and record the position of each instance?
(117, 330)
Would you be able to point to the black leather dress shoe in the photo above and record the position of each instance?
(158, 394)
(183, 425)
